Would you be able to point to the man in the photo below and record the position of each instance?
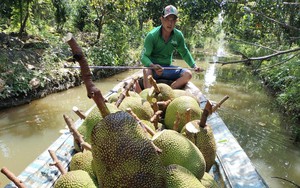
(159, 46)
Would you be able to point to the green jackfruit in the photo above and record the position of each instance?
(208, 181)
(177, 149)
(139, 106)
(83, 161)
(180, 105)
(204, 139)
(166, 93)
(144, 93)
(124, 156)
(75, 179)
(90, 121)
(180, 177)
(180, 92)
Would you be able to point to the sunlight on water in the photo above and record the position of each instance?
(209, 77)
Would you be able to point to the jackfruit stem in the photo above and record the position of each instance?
(220, 103)
(154, 84)
(206, 112)
(176, 123)
(77, 136)
(125, 92)
(57, 162)
(163, 104)
(145, 127)
(137, 88)
(79, 113)
(92, 91)
(155, 118)
(188, 115)
(11, 176)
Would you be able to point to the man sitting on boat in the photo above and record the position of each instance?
(159, 46)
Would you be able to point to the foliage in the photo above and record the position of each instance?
(112, 32)
(60, 13)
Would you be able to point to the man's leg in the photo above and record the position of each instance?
(184, 79)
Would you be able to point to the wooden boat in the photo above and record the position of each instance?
(233, 168)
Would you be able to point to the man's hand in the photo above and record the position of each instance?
(198, 69)
(157, 68)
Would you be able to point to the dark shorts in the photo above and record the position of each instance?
(169, 74)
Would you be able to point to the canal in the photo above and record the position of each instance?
(250, 114)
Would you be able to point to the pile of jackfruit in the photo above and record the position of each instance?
(151, 139)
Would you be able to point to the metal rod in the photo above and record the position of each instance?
(125, 67)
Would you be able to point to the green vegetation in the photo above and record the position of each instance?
(112, 32)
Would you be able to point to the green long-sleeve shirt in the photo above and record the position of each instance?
(157, 51)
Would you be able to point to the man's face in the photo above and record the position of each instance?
(169, 22)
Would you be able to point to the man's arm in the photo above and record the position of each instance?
(147, 50)
(186, 55)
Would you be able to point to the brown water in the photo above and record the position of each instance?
(28, 130)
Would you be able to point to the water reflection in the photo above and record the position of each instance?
(252, 117)
(249, 113)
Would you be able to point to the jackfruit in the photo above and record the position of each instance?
(90, 121)
(166, 93)
(204, 139)
(75, 179)
(177, 149)
(180, 92)
(144, 93)
(180, 177)
(83, 161)
(180, 105)
(123, 155)
(113, 98)
(208, 181)
(139, 106)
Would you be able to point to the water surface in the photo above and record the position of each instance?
(249, 113)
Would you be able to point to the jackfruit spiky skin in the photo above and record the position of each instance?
(124, 156)
(113, 97)
(180, 92)
(144, 93)
(205, 141)
(177, 149)
(83, 161)
(166, 93)
(90, 121)
(180, 177)
(139, 106)
(180, 105)
(208, 181)
(75, 179)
